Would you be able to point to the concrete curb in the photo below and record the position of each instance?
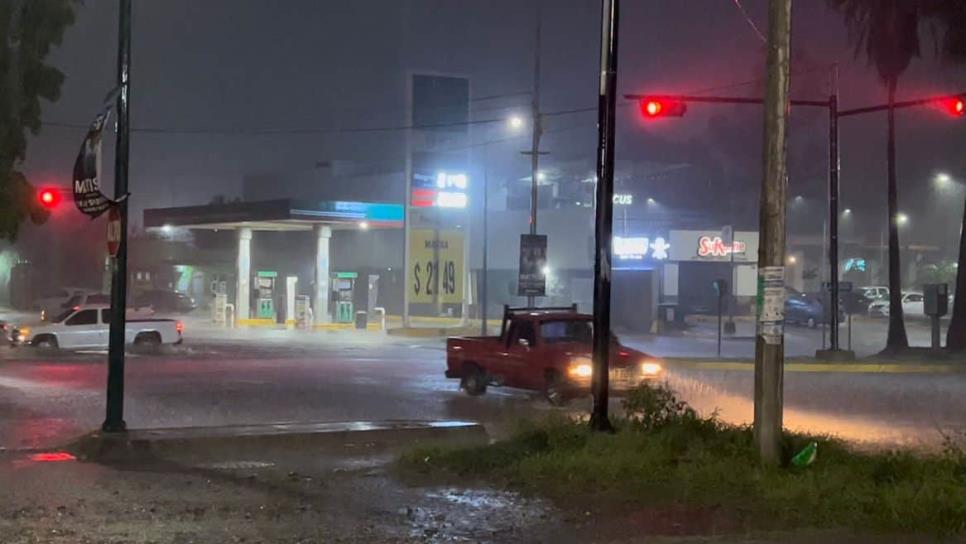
(236, 439)
(869, 367)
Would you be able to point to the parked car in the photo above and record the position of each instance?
(873, 292)
(54, 302)
(912, 305)
(164, 301)
(805, 309)
(542, 349)
(857, 301)
(88, 327)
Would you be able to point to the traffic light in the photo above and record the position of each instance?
(48, 198)
(653, 107)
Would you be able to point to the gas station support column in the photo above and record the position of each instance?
(320, 309)
(242, 302)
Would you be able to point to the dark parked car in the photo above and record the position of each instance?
(163, 301)
(806, 309)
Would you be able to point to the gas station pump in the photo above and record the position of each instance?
(343, 285)
(265, 294)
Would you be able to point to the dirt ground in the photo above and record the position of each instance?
(282, 497)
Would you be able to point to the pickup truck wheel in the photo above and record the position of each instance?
(553, 389)
(46, 342)
(473, 381)
(147, 339)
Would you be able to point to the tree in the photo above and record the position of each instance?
(30, 29)
(887, 33)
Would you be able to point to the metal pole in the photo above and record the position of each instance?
(721, 296)
(606, 119)
(535, 146)
(833, 208)
(486, 233)
(769, 344)
(935, 332)
(114, 422)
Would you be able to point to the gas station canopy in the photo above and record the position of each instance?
(277, 215)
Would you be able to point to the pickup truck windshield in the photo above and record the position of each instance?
(63, 315)
(566, 330)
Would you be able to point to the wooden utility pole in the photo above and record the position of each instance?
(769, 344)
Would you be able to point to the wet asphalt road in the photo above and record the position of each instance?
(277, 376)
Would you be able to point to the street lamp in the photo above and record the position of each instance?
(943, 180)
(515, 122)
(847, 211)
(902, 219)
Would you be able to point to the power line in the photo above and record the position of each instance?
(751, 23)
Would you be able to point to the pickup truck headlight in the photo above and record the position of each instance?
(651, 368)
(581, 367)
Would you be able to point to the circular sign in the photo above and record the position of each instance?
(113, 230)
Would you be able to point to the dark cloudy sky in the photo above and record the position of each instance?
(201, 67)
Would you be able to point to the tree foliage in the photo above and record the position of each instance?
(30, 29)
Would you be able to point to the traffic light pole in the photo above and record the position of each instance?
(833, 210)
(114, 422)
(606, 121)
(534, 152)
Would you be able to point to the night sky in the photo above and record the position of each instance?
(210, 78)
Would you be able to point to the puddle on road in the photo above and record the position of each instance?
(476, 515)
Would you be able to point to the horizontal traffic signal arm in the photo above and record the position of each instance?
(954, 104)
(717, 99)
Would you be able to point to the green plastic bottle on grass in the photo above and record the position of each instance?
(807, 456)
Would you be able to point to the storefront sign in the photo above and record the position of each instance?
(532, 281)
(439, 189)
(713, 246)
(435, 266)
(623, 199)
(640, 248)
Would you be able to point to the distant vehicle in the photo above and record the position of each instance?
(806, 309)
(542, 349)
(857, 301)
(54, 302)
(163, 301)
(912, 305)
(873, 292)
(88, 327)
(8, 333)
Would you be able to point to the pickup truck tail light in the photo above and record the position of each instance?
(179, 326)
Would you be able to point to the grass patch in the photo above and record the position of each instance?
(665, 453)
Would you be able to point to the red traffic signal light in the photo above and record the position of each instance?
(48, 198)
(956, 106)
(654, 107)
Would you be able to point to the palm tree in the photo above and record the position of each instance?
(887, 31)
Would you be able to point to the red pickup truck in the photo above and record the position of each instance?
(542, 349)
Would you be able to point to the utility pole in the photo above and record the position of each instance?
(114, 422)
(603, 231)
(769, 344)
(535, 143)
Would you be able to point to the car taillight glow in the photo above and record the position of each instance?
(179, 326)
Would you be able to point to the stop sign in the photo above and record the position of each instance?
(113, 230)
